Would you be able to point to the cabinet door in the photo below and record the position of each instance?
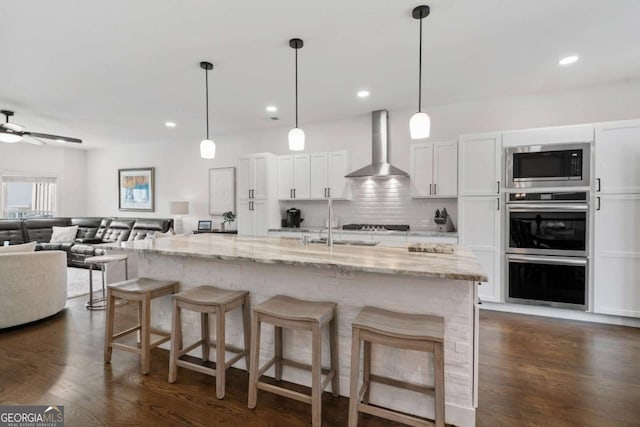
(285, 177)
(479, 230)
(479, 164)
(421, 169)
(244, 183)
(337, 168)
(617, 157)
(301, 179)
(260, 218)
(245, 219)
(445, 169)
(616, 263)
(318, 175)
(260, 176)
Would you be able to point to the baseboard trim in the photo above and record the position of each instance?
(560, 313)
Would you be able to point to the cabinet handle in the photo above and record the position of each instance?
(291, 193)
(325, 191)
(249, 193)
(294, 193)
(498, 203)
(435, 190)
(498, 187)
(430, 192)
(599, 185)
(598, 200)
(329, 191)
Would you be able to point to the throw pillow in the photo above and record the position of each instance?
(24, 247)
(64, 234)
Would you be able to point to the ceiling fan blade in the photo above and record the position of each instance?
(54, 137)
(12, 126)
(30, 139)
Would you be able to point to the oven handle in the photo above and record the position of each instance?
(547, 260)
(547, 207)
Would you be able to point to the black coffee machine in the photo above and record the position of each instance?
(292, 218)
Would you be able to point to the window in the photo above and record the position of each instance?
(28, 197)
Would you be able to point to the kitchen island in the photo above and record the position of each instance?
(352, 276)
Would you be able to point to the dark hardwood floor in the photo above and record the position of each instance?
(533, 371)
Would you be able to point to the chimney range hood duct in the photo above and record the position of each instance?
(380, 166)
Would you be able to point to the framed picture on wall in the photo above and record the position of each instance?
(136, 189)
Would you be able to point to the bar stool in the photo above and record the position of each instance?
(142, 290)
(208, 300)
(101, 261)
(407, 331)
(286, 312)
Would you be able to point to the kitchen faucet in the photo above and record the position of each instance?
(329, 223)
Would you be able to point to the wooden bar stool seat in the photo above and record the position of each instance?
(142, 290)
(419, 332)
(208, 300)
(287, 312)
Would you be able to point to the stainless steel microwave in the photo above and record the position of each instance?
(558, 165)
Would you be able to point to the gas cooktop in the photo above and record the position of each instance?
(376, 227)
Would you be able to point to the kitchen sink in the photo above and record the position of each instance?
(323, 240)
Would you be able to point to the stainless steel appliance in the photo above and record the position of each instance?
(547, 249)
(293, 218)
(376, 227)
(558, 165)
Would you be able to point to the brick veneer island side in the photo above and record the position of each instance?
(352, 276)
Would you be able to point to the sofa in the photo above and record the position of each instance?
(92, 232)
(33, 285)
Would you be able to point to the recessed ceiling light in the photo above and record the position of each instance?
(170, 124)
(568, 60)
(271, 108)
(363, 94)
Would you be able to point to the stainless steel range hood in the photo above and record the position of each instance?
(380, 166)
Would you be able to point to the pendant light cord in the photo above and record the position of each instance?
(420, 70)
(296, 87)
(206, 85)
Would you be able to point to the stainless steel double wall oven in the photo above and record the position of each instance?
(547, 239)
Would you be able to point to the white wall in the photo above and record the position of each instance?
(67, 164)
(182, 175)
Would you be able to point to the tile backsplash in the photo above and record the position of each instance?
(376, 201)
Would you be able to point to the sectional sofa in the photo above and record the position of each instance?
(91, 233)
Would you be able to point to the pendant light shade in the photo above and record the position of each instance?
(296, 135)
(296, 139)
(420, 126)
(207, 146)
(420, 123)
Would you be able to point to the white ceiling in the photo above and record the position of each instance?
(114, 71)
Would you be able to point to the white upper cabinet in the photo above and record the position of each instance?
(313, 176)
(434, 169)
(617, 157)
(551, 135)
(479, 164)
(256, 176)
(293, 176)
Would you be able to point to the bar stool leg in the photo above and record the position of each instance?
(254, 364)
(246, 326)
(355, 373)
(176, 331)
(146, 335)
(139, 333)
(102, 273)
(89, 304)
(278, 351)
(316, 379)
(206, 340)
(333, 348)
(108, 335)
(366, 370)
(438, 358)
(220, 354)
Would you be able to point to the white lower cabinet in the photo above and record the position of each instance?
(617, 255)
(256, 217)
(479, 230)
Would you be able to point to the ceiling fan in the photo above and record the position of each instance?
(13, 132)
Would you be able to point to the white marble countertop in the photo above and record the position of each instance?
(461, 265)
(424, 233)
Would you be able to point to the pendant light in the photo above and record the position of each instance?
(296, 135)
(420, 123)
(207, 146)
